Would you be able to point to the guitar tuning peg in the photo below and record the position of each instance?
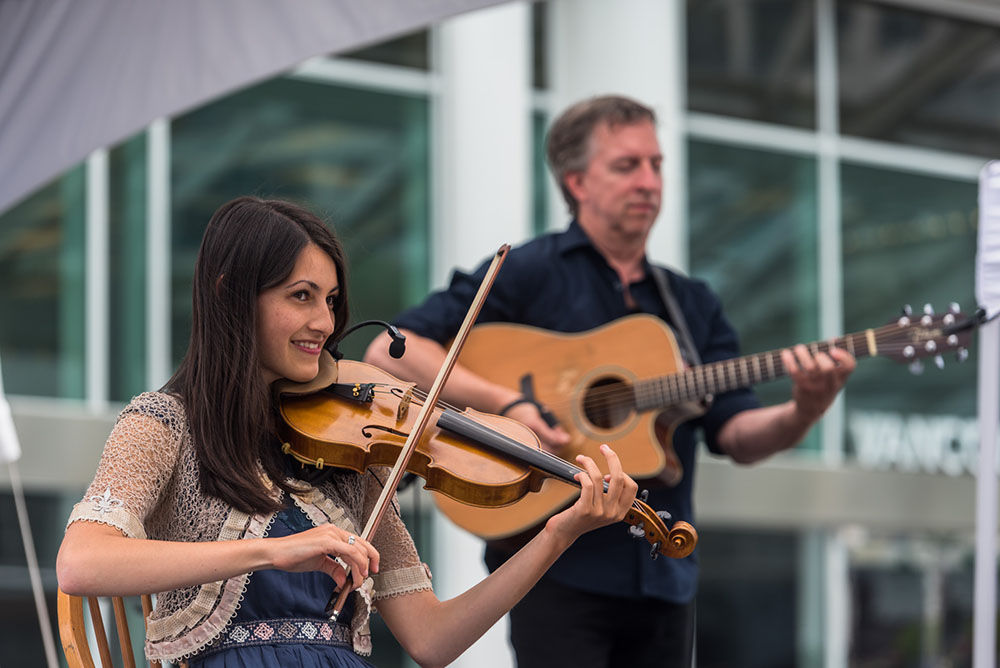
(907, 310)
(939, 361)
(962, 354)
(637, 531)
(928, 309)
(954, 308)
(916, 367)
(655, 551)
(663, 515)
(644, 495)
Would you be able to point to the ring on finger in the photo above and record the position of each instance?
(350, 540)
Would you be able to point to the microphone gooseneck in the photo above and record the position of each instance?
(396, 348)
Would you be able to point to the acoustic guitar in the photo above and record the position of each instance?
(625, 384)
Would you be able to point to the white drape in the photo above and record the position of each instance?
(76, 76)
(988, 296)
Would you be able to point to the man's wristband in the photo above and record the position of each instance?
(547, 415)
(516, 402)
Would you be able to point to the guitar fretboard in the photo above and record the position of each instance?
(696, 383)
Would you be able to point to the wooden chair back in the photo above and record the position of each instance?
(73, 631)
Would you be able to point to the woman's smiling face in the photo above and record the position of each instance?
(295, 318)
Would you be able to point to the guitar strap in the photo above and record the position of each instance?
(676, 316)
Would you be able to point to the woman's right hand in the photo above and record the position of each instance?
(318, 549)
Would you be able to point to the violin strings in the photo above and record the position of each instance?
(635, 505)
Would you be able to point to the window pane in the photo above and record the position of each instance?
(750, 576)
(407, 51)
(753, 239)
(908, 239)
(936, 83)
(357, 157)
(127, 249)
(911, 599)
(42, 291)
(752, 59)
(20, 634)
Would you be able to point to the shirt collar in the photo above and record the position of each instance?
(574, 237)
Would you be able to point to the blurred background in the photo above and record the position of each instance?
(822, 158)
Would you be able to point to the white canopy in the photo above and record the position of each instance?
(76, 76)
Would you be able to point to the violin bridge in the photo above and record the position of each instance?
(404, 404)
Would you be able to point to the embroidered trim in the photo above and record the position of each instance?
(401, 581)
(105, 503)
(119, 518)
(281, 632)
(214, 606)
(318, 507)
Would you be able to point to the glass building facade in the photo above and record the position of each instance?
(827, 158)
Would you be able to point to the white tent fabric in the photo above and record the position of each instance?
(76, 76)
(988, 295)
(10, 446)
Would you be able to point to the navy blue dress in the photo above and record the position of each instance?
(280, 621)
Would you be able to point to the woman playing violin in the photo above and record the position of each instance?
(194, 498)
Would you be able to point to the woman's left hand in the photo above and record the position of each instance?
(595, 507)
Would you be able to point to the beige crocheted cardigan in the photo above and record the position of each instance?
(147, 487)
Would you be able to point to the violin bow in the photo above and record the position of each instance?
(421, 423)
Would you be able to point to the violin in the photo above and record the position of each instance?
(365, 417)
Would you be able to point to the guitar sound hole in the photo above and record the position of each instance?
(607, 403)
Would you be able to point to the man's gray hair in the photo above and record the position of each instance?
(568, 145)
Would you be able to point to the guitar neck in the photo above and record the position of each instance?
(696, 383)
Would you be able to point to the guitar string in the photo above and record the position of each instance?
(682, 383)
(685, 385)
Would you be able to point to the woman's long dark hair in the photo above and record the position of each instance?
(250, 245)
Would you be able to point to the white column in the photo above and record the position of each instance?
(988, 297)
(838, 598)
(831, 319)
(482, 188)
(158, 316)
(838, 588)
(97, 307)
(635, 49)
(482, 136)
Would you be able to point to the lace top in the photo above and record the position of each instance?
(147, 487)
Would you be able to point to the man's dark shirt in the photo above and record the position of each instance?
(561, 282)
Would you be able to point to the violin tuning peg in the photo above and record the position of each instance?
(954, 308)
(928, 309)
(663, 515)
(916, 367)
(907, 310)
(655, 552)
(939, 361)
(962, 354)
(636, 531)
(644, 495)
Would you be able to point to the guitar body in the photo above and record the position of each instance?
(570, 374)
(591, 380)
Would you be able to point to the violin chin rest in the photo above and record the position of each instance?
(327, 376)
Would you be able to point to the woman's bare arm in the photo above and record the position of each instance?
(98, 560)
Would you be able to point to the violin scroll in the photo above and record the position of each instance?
(676, 542)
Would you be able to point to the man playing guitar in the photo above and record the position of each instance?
(604, 602)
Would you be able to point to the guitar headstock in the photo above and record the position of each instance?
(911, 338)
(676, 542)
